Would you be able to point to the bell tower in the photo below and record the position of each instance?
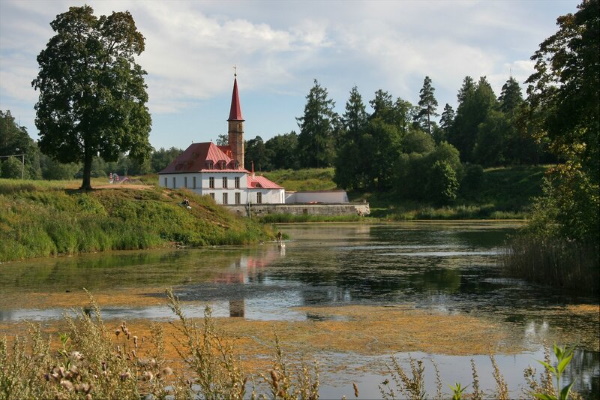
(236, 127)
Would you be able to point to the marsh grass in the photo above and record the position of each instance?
(557, 262)
(418, 212)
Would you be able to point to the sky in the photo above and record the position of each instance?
(279, 48)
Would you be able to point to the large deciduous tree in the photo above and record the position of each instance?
(93, 96)
(564, 100)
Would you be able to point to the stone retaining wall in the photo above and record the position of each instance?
(301, 209)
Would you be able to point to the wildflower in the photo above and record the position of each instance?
(83, 387)
(67, 385)
(147, 376)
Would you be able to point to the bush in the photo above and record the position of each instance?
(11, 168)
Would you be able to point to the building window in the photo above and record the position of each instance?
(185, 182)
(238, 198)
(194, 181)
(174, 183)
(212, 195)
(237, 182)
(225, 183)
(259, 198)
(211, 182)
(166, 182)
(224, 198)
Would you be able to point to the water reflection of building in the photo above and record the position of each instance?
(245, 270)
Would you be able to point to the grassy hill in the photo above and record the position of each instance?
(304, 179)
(46, 218)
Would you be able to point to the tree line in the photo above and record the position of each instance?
(15, 141)
(403, 148)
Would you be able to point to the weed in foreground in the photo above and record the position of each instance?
(93, 362)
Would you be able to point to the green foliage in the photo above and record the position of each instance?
(256, 155)
(563, 359)
(44, 219)
(316, 140)
(442, 185)
(457, 391)
(54, 170)
(283, 151)
(92, 93)
(564, 99)
(15, 141)
(427, 107)
(476, 101)
(11, 168)
(563, 92)
(163, 157)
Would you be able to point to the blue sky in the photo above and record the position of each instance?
(280, 47)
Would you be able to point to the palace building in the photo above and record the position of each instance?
(218, 171)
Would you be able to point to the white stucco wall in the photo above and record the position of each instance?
(202, 187)
(330, 197)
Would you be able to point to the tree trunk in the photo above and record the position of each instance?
(87, 172)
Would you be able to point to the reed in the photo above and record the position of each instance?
(561, 263)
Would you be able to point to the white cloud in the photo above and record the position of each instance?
(281, 46)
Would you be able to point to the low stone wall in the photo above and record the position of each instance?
(301, 209)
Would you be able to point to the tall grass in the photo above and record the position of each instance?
(557, 262)
(91, 361)
(41, 219)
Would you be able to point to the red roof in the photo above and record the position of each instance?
(261, 182)
(203, 157)
(235, 114)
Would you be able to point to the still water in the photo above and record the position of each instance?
(449, 268)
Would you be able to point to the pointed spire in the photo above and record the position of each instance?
(235, 114)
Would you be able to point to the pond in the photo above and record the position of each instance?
(341, 274)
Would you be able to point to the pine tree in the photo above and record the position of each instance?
(427, 107)
(316, 139)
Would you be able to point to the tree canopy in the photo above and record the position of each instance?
(316, 139)
(92, 99)
(564, 100)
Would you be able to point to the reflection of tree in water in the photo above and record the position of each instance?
(584, 370)
(114, 270)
